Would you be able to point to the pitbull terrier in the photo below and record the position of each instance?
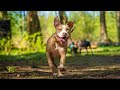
(57, 46)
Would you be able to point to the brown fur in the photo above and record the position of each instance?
(55, 48)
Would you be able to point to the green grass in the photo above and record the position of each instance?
(34, 58)
(103, 51)
(22, 58)
(111, 50)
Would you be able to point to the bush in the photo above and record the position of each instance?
(5, 44)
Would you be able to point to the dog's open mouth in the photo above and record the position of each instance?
(63, 40)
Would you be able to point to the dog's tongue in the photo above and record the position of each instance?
(62, 40)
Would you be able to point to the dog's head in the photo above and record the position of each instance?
(63, 32)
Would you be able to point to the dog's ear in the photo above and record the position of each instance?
(70, 24)
(56, 21)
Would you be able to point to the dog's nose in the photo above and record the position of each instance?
(64, 34)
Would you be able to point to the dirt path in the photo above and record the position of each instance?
(78, 67)
(73, 72)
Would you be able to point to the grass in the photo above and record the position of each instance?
(40, 57)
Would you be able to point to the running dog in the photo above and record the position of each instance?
(57, 46)
(84, 44)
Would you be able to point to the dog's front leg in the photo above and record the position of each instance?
(62, 62)
(61, 66)
(52, 65)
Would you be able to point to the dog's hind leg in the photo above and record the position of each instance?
(91, 50)
(86, 50)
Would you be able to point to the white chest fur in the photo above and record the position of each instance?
(59, 48)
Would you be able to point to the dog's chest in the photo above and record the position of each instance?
(58, 51)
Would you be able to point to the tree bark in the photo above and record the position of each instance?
(63, 17)
(103, 28)
(33, 23)
(118, 25)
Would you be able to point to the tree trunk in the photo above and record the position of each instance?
(33, 26)
(103, 28)
(5, 28)
(63, 17)
(4, 14)
(118, 25)
(33, 23)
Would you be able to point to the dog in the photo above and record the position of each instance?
(57, 46)
(84, 44)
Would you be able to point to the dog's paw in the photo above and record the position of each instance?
(55, 74)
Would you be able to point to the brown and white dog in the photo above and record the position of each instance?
(57, 46)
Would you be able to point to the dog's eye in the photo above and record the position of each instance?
(60, 29)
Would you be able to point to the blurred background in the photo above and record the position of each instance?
(23, 35)
(16, 27)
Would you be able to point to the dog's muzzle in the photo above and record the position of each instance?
(63, 40)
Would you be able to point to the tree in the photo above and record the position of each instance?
(103, 29)
(118, 25)
(34, 28)
(33, 23)
(5, 28)
(63, 17)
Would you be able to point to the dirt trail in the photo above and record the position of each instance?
(73, 72)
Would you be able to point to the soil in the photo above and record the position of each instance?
(78, 67)
(73, 72)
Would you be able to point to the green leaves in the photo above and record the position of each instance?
(85, 24)
(11, 69)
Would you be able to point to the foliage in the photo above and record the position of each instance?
(26, 43)
(47, 26)
(111, 25)
(20, 40)
(16, 22)
(86, 25)
(5, 45)
(36, 42)
(11, 69)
